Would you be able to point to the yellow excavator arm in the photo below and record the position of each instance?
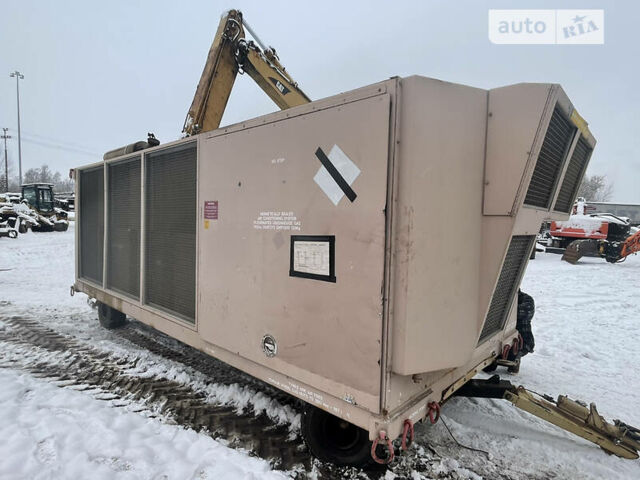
(230, 54)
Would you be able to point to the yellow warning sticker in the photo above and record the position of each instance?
(581, 123)
(206, 224)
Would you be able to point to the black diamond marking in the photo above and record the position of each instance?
(335, 174)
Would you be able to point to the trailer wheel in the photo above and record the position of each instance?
(334, 440)
(491, 367)
(110, 318)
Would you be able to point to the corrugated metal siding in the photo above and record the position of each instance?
(512, 270)
(573, 176)
(91, 224)
(549, 165)
(170, 230)
(123, 242)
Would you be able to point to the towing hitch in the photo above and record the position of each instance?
(616, 438)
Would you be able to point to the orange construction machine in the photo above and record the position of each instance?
(595, 235)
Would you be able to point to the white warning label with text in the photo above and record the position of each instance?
(277, 221)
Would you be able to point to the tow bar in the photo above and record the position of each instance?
(616, 438)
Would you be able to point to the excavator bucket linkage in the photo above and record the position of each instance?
(616, 438)
(581, 248)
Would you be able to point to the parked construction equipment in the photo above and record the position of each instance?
(16, 216)
(40, 197)
(7, 231)
(595, 235)
(230, 54)
(305, 255)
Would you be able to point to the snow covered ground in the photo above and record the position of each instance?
(586, 342)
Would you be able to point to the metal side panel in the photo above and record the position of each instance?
(436, 215)
(170, 230)
(123, 234)
(292, 236)
(517, 117)
(91, 224)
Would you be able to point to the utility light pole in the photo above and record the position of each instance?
(6, 164)
(19, 77)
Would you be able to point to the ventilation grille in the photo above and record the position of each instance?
(91, 224)
(549, 165)
(123, 245)
(170, 230)
(512, 269)
(575, 171)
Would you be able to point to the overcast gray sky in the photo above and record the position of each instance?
(99, 75)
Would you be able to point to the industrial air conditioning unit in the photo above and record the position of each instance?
(361, 252)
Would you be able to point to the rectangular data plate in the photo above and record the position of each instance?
(313, 256)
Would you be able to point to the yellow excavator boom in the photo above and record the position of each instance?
(230, 54)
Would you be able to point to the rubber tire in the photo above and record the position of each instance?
(319, 430)
(60, 227)
(491, 367)
(109, 317)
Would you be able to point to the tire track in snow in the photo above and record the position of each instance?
(61, 359)
(70, 363)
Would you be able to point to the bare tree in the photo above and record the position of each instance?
(45, 175)
(14, 184)
(31, 176)
(596, 188)
(63, 185)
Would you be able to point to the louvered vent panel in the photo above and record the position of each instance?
(573, 176)
(91, 224)
(123, 245)
(170, 230)
(512, 269)
(549, 165)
